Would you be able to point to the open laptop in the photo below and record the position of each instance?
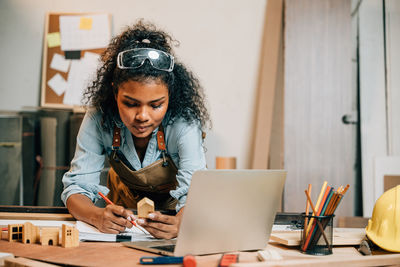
(225, 211)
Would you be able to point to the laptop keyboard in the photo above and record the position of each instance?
(169, 248)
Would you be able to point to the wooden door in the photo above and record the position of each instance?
(318, 93)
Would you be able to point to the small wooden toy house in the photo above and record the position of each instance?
(15, 232)
(30, 233)
(69, 236)
(49, 236)
(144, 207)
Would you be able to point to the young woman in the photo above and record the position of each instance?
(147, 114)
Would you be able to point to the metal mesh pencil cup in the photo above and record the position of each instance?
(314, 240)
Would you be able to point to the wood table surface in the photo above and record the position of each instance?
(99, 254)
(115, 254)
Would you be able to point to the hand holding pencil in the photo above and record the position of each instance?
(110, 203)
(129, 217)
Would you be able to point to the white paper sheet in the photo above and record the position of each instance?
(75, 38)
(60, 63)
(58, 84)
(81, 73)
(90, 233)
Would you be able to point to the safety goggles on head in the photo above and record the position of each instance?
(135, 58)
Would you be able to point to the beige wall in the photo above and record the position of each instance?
(220, 41)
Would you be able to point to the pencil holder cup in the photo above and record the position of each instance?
(317, 235)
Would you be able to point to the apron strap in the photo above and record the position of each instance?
(160, 142)
(160, 138)
(116, 138)
(116, 143)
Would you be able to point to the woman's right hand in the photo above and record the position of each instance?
(113, 219)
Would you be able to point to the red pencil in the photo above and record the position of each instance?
(110, 202)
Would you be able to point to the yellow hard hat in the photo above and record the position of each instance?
(384, 227)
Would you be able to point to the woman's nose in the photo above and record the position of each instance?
(142, 114)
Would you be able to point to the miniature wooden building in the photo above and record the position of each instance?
(30, 233)
(15, 232)
(69, 236)
(50, 236)
(144, 207)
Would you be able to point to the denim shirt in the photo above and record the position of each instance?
(183, 141)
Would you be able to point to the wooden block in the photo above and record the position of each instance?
(69, 236)
(225, 163)
(24, 262)
(4, 256)
(268, 254)
(144, 207)
(49, 236)
(4, 235)
(390, 181)
(15, 232)
(341, 237)
(30, 233)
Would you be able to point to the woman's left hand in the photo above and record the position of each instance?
(162, 226)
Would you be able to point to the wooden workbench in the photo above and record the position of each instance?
(342, 256)
(115, 254)
(88, 254)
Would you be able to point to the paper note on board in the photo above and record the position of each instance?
(53, 39)
(73, 37)
(85, 23)
(60, 63)
(81, 73)
(58, 84)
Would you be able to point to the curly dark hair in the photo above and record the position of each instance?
(186, 96)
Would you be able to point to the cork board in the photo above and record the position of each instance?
(70, 56)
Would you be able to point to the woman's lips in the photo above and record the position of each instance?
(141, 129)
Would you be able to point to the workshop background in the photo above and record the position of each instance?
(309, 86)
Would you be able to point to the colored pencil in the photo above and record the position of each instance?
(313, 229)
(318, 222)
(106, 199)
(307, 213)
(327, 202)
(321, 193)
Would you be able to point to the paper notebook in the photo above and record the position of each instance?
(88, 232)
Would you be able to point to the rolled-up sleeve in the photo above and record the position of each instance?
(190, 156)
(88, 162)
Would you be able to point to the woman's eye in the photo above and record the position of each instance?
(130, 104)
(156, 106)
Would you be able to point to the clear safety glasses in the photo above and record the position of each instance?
(135, 58)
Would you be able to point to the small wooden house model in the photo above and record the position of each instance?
(15, 232)
(144, 207)
(69, 236)
(49, 236)
(30, 233)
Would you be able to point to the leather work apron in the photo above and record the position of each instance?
(154, 181)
